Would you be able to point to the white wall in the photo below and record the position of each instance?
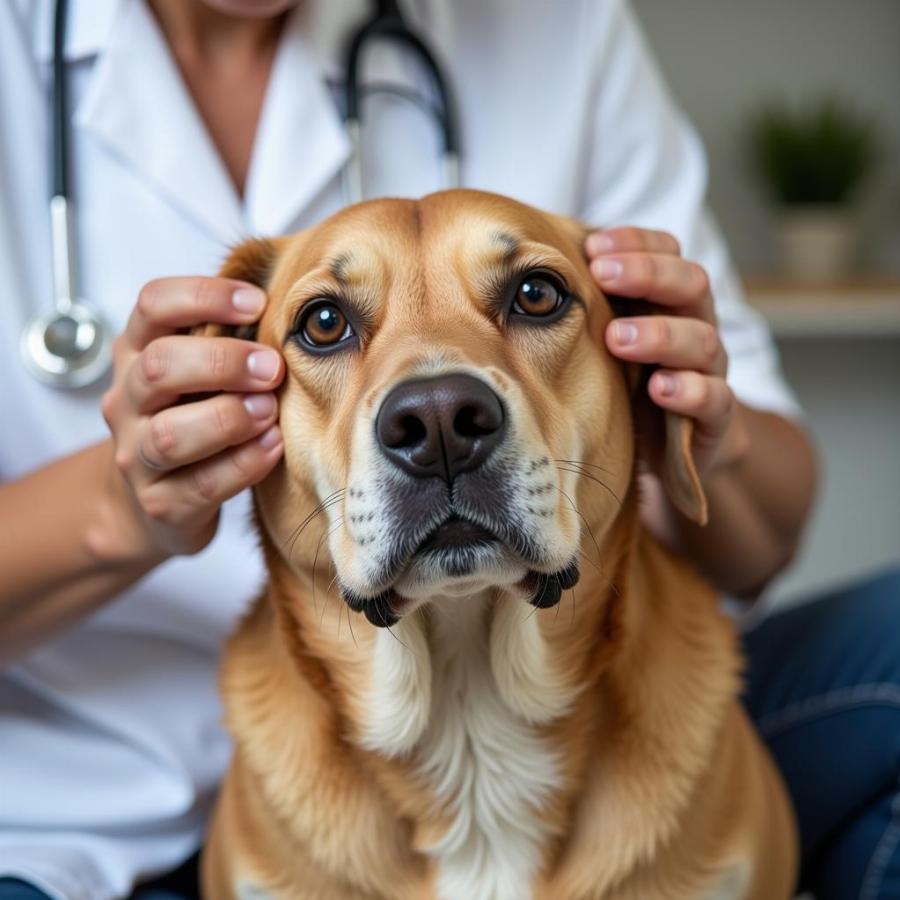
(851, 393)
(721, 58)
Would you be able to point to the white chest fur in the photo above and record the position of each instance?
(464, 702)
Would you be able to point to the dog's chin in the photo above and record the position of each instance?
(461, 559)
(459, 571)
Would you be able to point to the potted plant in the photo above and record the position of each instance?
(813, 161)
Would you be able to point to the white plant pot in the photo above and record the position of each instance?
(817, 243)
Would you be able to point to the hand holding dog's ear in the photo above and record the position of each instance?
(704, 427)
(178, 462)
(249, 262)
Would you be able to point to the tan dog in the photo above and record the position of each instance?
(424, 703)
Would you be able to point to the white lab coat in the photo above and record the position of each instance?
(110, 746)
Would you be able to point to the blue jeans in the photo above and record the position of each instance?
(823, 685)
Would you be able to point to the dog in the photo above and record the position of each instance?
(473, 674)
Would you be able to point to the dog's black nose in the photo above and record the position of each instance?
(440, 427)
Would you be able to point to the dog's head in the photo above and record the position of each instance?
(451, 416)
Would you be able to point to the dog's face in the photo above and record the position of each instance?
(451, 417)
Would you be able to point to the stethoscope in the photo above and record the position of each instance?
(70, 346)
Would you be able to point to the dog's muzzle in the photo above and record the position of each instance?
(440, 432)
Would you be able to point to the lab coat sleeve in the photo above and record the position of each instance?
(647, 167)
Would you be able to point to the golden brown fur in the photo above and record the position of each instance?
(663, 789)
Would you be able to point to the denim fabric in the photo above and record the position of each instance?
(14, 889)
(823, 687)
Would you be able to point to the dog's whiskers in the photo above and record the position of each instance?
(598, 564)
(327, 503)
(591, 562)
(587, 525)
(333, 581)
(582, 462)
(394, 636)
(326, 533)
(350, 626)
(574, 468)
(324, 608)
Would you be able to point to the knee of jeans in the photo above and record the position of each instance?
(866, 618)
(851, 636)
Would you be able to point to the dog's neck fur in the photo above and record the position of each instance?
(467, 732)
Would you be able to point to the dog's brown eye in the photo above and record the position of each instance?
(537, 296)
(325, 325)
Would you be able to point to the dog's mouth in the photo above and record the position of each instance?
(456, 535)
(457, 548)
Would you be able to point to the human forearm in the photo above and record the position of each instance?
(67, 547)
(758, 505)
(76, 533)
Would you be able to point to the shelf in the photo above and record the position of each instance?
(868, 309)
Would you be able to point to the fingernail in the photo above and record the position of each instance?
(668, 384)
(607, 269)
(626, 333)
(600, 242)
(263, 364)
(248, 300)
(270, 438)
(260, 406)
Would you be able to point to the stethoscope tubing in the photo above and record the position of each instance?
(70, 345)
(60, 219)
(388, 24)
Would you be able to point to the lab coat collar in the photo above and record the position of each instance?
(136, 100)
(301, 144)
(139, 108)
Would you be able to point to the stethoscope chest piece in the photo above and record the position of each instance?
(68, 347)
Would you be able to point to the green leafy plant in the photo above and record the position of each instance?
(818, 154)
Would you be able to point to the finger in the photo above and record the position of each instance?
(192, 494)
(670, 341)
(185, 364)
(167, 304)
(706, 399)
(181, 435)
(629, 240)
(658, 277)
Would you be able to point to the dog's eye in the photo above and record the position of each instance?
(324, 324)
(538, 295)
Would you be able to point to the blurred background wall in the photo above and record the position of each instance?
(722, 58)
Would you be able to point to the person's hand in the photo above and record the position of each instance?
(178, 462)
(682, 339)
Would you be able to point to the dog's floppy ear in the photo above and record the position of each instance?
(679, 474)
(251, 261)
(676, 464)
